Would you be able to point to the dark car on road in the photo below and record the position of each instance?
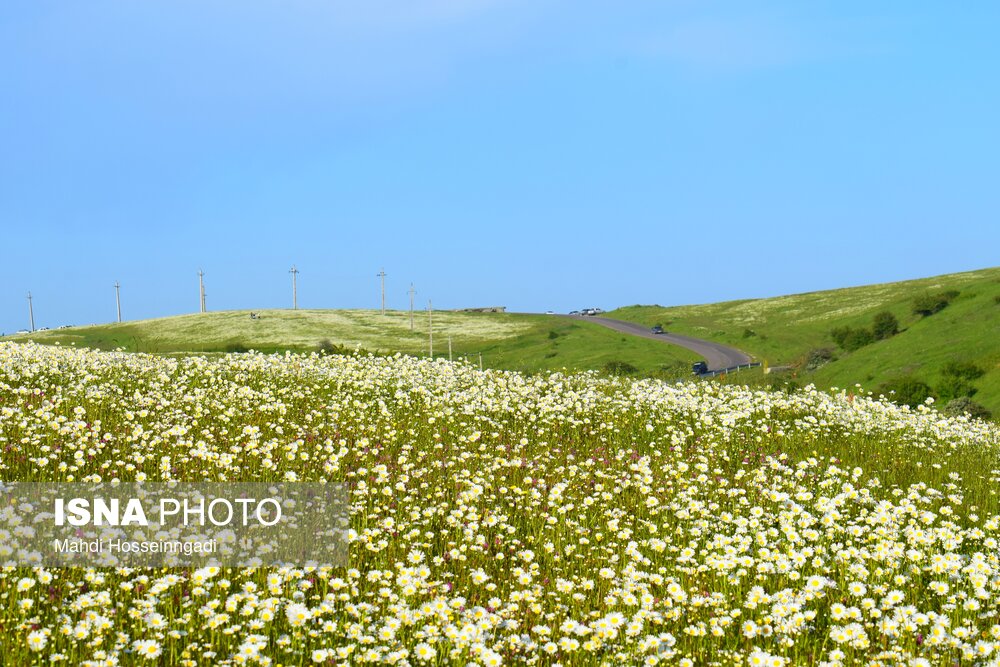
(658, 330)
(699, 368)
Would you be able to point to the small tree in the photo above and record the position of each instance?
(885, 325)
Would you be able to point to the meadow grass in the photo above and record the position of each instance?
(499, 518)
(510, 341)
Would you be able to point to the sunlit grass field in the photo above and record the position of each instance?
(782, 330)
(506, 519)
(509, 341)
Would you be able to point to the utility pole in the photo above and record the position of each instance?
(412, 292)
(31, 313)
(430, 327)
(295, 288)
(118, 299)
(381, 274)
(201, 288)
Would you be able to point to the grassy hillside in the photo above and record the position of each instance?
(783, 330)
(506, 340)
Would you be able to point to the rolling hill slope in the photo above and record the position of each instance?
(784, 330)
(506, 340)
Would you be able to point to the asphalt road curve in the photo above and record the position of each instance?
(717, 356)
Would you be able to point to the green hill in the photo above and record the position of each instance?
(505, 340)
(785, 330)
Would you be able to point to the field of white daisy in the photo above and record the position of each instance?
(503, 519)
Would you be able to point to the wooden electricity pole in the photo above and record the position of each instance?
(295, 288)
(430, 327)
(31, 313)
(118, 299)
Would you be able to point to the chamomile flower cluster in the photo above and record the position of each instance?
(505, 519)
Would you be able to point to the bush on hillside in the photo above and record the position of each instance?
(818, 357)
(326, 347)
(619, 368)
(926, 305)
(966, 406)
(952, 387)
(885, 325)
(962, 369)
(857, 339)
(907, 390)
(839, 334)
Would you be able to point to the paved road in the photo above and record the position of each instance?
(718, 356)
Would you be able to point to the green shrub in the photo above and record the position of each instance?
(885, 325)
(553, 334)
(952, 387)
(852, 339)
(787, 386)
(996, 299)
(930, 303)
(840, 334)
(907, 390)
(236, 347)
(749, 333)
(962, 369)
(326, 346)
(619, 368)
(966, 406)
(857, 339)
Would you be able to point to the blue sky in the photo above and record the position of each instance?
(534, 154)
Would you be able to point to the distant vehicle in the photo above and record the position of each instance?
(65, 326)
(574, 312)
(699, 368)
(44, 329)
(590, 312)
(658, 330)
(550, 312)
(23, 331)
